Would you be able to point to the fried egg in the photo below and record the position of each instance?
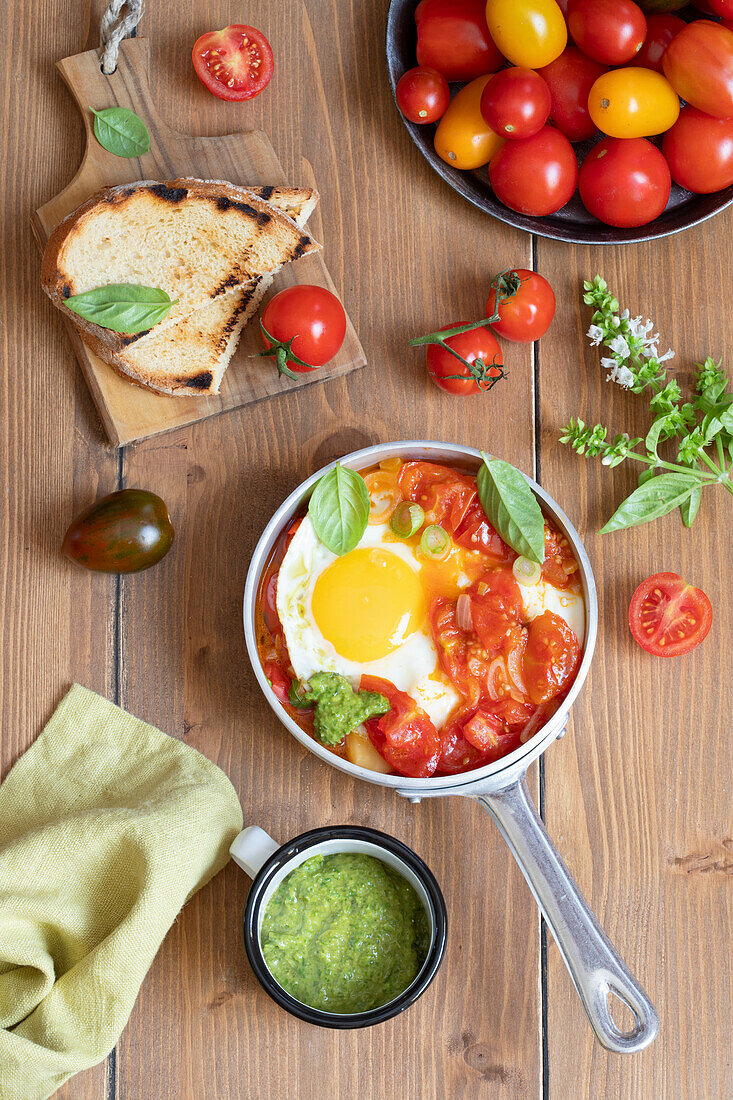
(365, 613)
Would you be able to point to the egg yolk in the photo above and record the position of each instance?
(367, 603)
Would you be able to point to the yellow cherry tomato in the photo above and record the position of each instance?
(633, 103)
(530, 33)
(463, 139)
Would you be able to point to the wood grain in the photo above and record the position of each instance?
(131, 412)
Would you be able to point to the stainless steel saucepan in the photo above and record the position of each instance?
(500, 787)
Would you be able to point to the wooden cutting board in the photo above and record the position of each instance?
(128, 411)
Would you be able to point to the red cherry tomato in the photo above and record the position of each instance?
(526, 305)
(516, 103)
(668, 616)
(453, 38)
(422, 95)
(661, 29)
(235, 63)
(404, 736)
(279, 682)
(625, 182)
(444, 495)
(609, 31)
(455, 377)
(551, 658)
(699, 151)
(698, 63)
(306, 321)
(536, 175)
(722, 7)
(570, 78)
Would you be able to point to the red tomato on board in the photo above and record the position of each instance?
(422, 95)
(698, 63)
(668, 616)
(526, 305)
(404, 736)
(453, 38)
(570, 78)
(699, 151)
(455, 377)
(235, 63)
(496, 609)
(516, 103)
(444, 495)
(625, 182)
(551, 658)
(661, 29)
(609, 31)
(536, 175)
(309, 316)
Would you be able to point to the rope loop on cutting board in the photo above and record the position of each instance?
(114, 28)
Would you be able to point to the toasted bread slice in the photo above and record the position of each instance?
(189, 359)
(195, 239)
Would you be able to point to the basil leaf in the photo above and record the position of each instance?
(689, 507)
(647, 474)
(512, 508)
(339, 509)
(122, 307)
(121, 132)
(652, 440)
(655, 498)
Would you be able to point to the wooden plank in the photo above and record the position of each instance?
(639, 796)
(131, 412)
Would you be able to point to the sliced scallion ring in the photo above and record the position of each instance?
(526, 572)
(435, 542)
(407, 519)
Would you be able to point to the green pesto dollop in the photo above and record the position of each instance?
(339, 709)
(344, 933)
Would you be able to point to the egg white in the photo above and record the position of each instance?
(412, 667)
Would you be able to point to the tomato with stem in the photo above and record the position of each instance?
(235, 63)
(463, 359)
(303, 327)
(526, 305)
(668, 616)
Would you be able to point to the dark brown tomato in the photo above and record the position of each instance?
(124, 532)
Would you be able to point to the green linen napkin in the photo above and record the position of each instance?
(107, 826)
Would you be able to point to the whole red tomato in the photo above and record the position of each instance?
(235, 63)
(570, 78)
(526, 305)
(698, 63)
(722, 7)
(699, 151)
(453, 38)
(536, 175)
(483, 366)
(625, 182)
(305, 323)
(516, 103)
(422, 95)
(609, 31)
(661, 29)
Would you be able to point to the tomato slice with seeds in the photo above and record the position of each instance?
(668, 616)
(444, 494)
(235, 63)
(405, 735)
(496, 608)
(551, 658)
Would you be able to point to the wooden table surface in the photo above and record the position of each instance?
(638, 795)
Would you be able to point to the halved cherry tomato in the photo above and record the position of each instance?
(235, 63)
(457, 754)
(609, 31)
(496, 608)
(660, 30)
(463, 138)
(668, 616)
(481, 350)
(551, 658)
(722, 7)
(625, 181)
(516, 103)
(444, 495)
(511, 717)
(536, 175)
(476, 533)
(530, 33)
(633, 103)
(405, 736)
(453, 38)
(422, 95)
(307, 321)
(526, 305)
(559, 567)
(698, 63)
(699, 151)
(570, 78)
(279, 682)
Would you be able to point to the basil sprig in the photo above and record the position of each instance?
(512, 508)
(122, 307)
(339, 509)
(121, 132)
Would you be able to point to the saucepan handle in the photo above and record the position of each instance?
(595, 966)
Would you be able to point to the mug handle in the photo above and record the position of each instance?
(252, 848)
(595, 966)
